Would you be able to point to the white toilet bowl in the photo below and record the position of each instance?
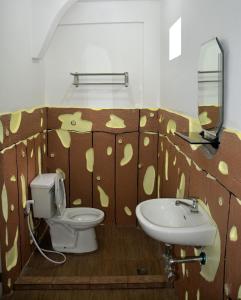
(72, 230)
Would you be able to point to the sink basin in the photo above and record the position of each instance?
(166, 222)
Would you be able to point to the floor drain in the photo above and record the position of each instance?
(142, 271)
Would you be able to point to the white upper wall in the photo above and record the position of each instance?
(46, 15)
(106, 36)
(201, 21)
(21, 80)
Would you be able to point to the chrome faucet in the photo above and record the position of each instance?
(193, 206)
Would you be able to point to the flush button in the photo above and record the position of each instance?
(73, 122)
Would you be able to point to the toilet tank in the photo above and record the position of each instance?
(43, 194)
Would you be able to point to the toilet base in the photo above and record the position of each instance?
(77, 241)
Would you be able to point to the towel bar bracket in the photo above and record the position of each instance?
(77, 81)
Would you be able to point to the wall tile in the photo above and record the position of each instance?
(104, 174)
(147, 166)
(80, 174)
(126, 178)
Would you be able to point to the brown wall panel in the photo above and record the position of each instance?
(175, 171)
(38, 121)
(147, 174)
(5, 124)
(38, 145)
(9, 220)
(183, 164)
(16, 126)
(170, 122)
(58, 158)
(119, 176)
(170, 171)
(126, 178)
(80, 176)
(187, 283)
(106, 120)
(217, 199)
(32, 172)
(36, 150)
(160, 163)
(128, 120)
(104, 174)
(224, 166)
(149, 120)
(213, 113)
(44, 148)
(233, 257)
(225, 163)
(22, 165)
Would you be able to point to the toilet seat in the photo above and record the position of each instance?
(77, 217)
(81, 217)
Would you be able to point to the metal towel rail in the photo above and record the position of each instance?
(77, 81)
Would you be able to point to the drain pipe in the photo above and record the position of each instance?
(171, 261)
(189, 259)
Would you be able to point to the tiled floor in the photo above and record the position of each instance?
(121, 252)
(127, 265)
(136, 294)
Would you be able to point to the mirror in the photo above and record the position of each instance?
(210, 95)
(210, 87)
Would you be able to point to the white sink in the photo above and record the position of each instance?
(166, 222)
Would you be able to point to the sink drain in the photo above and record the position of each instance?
(142, 271)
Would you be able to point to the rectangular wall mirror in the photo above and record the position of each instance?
(210, 87)
(210, 94)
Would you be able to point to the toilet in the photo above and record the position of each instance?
(72, 230)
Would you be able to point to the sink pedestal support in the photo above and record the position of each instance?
(171, 261)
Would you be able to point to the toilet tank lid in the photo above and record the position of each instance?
(44, 181)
